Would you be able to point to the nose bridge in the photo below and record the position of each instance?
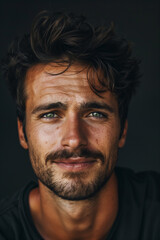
(73, 135)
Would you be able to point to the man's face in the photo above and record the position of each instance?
(72, 134)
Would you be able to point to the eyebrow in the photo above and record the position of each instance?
(96, 105)
(50, 106)
(64, 106)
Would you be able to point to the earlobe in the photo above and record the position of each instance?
(122, 140)
(21, 135)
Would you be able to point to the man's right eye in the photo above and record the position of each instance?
(49, 115)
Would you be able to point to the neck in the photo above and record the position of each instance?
(63, 219)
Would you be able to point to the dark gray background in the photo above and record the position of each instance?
(136, 20)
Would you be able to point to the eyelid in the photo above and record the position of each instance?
(42, 115)
(59, 114)
(104, 115)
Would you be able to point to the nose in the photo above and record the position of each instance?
(74, 133)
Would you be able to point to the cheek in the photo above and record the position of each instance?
(104, 138)
(43, 136)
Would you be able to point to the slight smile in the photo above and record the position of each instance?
(75, 164)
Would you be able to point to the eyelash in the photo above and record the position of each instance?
(45, 115)
(101, 115)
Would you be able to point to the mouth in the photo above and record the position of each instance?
(75, 164)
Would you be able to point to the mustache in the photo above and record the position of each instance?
(86, 153)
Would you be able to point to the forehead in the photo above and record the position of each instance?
(51, 75)
(51, 82)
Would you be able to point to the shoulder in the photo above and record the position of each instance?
(8, 215)
(8, 203)
(139, 195)
(12, 213)
(147, 182)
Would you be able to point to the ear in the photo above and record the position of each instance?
(122, 140)
(21, 135)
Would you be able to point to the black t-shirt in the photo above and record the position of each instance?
(138, 216)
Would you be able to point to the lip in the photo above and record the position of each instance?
(75, 164)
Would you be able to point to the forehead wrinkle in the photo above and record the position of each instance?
(54, 88)
(49, 91)
(39, 75)
(67, 77)
(69, 87)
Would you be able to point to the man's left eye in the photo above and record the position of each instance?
(96, 115)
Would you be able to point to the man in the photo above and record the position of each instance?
(72, 84)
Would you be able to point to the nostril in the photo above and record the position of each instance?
(74, 132)
(74, 142)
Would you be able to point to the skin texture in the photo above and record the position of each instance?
(73, 149)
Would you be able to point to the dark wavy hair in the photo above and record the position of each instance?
(66, 38)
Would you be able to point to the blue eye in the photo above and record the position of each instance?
(96, 115)
(50, 115)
